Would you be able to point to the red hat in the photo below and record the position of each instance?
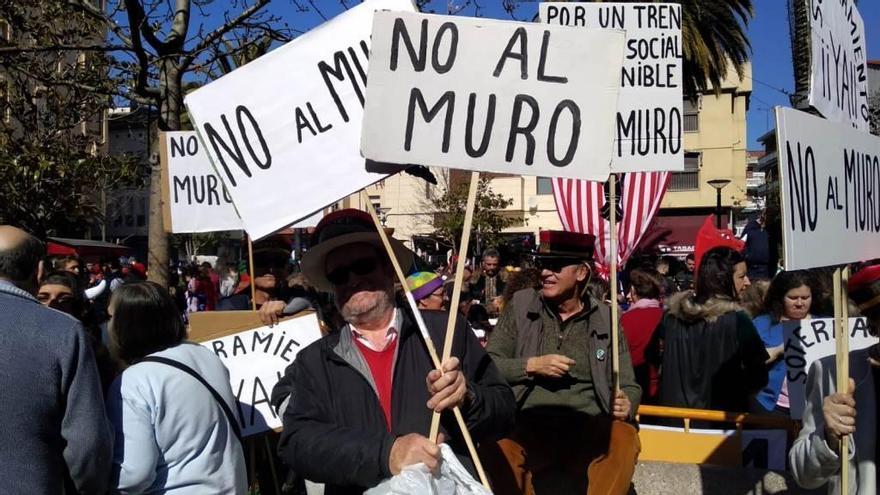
(710, 237)
(864, 289)
(140, 269)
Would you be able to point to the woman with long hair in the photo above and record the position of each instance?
(172, 407)
(789, 297)
(710, 354)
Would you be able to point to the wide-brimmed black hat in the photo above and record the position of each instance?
(340, 228)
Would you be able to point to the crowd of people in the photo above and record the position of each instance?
(99, 401)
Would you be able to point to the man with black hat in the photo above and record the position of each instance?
(831, 416)
(553, 346)
(363, 396)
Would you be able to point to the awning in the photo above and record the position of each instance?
(672, 235)
(84, 248)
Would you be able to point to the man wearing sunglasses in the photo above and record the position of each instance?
(553, 345)
(362, 397)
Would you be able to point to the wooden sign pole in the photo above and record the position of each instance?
(252, 271)
(423, 329)
(841, 315)
(615, 344)
(456, 290)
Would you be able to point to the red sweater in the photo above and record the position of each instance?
(381, 364)
(638, 327)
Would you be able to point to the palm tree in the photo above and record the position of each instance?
(715, 40)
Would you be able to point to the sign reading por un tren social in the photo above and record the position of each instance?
(649, 122)
(494, 96)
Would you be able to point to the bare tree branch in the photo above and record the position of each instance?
(96, 13)
(218, 33)
(12, 50)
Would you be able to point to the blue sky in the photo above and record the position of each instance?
(768, 31)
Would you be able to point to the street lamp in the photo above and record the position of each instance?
(718, 184)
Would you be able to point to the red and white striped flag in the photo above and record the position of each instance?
(579, 204)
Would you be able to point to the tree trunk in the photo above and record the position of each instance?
(169, 120)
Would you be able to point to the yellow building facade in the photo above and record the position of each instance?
(715, 145)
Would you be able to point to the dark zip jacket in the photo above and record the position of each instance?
(334, 427)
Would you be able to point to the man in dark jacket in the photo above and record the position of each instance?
(56, 437)
(574, 431)
(757, 249)
(362, 397)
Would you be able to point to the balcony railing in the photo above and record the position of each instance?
(685, 181)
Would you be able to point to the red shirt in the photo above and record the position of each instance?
(381, 364)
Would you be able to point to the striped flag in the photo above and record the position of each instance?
(579, 204)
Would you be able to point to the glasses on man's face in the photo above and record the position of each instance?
(362, 266)
(555, 265)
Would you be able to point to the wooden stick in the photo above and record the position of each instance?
(252, 271)
(615, 344)
(270, 456)
(423, 329)
(841, 315)
(456, 290)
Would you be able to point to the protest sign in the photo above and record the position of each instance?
(283, 131)
(648, 125)
(194, 199)
(838, 71)
(256, 357)
(806, 341)
(495, 96)
(830, 186)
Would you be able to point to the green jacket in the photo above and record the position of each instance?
(529, 328)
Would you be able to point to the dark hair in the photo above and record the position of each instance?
(145, 320)
(60, 262)
(715, 278)
(20, 263)
(690, 257)
(69, 280)
(774, 303)
(598, 288)
(491, 253)
(646, 284)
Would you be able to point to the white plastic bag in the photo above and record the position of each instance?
(453, 479)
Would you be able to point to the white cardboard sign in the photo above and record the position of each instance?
(495, 96)
(839, 72)
(283, 131)
(198, 201)
(256, 360)
(809, 340)
(649, 122)
(830, 185)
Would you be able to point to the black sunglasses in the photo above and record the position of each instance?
(556, 265)
(361, 266)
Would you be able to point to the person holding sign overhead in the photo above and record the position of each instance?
(574, 432)
(831, 415)
(362, 397)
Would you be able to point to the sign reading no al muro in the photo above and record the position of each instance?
(493, 96)
(830, 184)
(283, 131)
